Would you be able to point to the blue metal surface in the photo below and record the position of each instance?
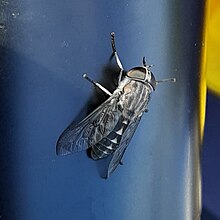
(46, 46)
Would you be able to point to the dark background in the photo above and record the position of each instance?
(210, 160)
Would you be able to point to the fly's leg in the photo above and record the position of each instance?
(97, 85)
(116, 57)
(115, 51)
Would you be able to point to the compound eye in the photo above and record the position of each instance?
(137, 74)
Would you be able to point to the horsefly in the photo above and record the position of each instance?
(109, 128)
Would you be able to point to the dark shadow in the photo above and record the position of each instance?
(102, 166)
(20, 79)
(208, 215)
(109, 80)
(7, 144)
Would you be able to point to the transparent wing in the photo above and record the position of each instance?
(118, 154)
(89, 131)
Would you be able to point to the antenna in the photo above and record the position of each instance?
(145, 63)
(149, 66)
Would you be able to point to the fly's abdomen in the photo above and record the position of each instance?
(109, 144)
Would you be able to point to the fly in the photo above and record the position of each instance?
(109, 128)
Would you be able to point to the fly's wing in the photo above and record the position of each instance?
(118, 154)
(89, 131)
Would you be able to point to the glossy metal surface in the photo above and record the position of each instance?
(46, 46)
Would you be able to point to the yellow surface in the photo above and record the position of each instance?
(213, 47)
(204, 70)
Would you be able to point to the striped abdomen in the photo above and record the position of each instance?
(109, 143)
(132, 102)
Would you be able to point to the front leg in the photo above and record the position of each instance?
(116, 57)
(97, 85)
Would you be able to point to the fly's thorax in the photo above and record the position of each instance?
(123, 83)
(134, 98)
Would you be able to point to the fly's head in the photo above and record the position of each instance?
(143, 74)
